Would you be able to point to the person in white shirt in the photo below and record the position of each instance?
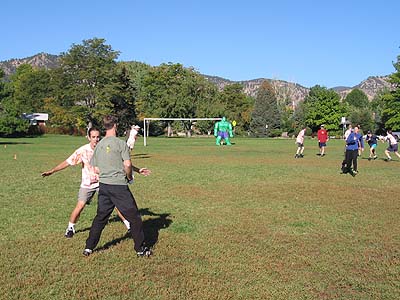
(90, 179)
(348, 131)
(393, 146)
(132, 136)
(300, 143)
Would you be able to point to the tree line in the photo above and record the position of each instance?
(90, 82)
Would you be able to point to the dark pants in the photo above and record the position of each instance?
(121, 197)
(351, 159)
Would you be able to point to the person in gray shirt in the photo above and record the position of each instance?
(112, 159)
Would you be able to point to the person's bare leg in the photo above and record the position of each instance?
(80, 205)
(125, 221)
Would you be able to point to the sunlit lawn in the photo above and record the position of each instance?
(241, 222)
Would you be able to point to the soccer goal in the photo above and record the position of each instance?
(147, 121)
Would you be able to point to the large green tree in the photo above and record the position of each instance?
(322, 106)
(357, 98)
(391, 101)
(237, 105)
(359, 110)
(265, 112)
(88, 80)
(173, 91)
(22, 93)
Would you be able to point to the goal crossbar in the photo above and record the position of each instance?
(147, 120)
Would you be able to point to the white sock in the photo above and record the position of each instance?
(127, 224)
(71, 225)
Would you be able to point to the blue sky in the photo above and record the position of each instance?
(330, 43)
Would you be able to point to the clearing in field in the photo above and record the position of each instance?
(242, 222)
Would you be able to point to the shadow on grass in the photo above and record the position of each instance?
(151, 228)
(14, 143)
(140, 156)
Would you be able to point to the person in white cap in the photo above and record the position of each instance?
(133, 136)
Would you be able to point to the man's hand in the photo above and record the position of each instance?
(47, 173)
(144, 171)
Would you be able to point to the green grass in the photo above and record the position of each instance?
(241, 222)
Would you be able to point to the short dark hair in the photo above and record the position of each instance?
(109, 121)
(92, 129)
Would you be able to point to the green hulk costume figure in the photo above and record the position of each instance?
(223, 130)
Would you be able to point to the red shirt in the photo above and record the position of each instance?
(322, 135)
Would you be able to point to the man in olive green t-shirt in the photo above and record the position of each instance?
(112, 158)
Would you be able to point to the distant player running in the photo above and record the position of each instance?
(322, 140)
(393, 146)
(300, 143)
(372, 141)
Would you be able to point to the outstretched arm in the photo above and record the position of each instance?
(129, 169)
(60, 167)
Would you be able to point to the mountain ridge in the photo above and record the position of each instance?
(285, 90)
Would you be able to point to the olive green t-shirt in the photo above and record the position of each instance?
(109, 156)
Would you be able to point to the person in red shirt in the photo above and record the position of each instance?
(322, 139)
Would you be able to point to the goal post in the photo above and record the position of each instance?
(147, 122)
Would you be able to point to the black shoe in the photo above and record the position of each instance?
(301, 155)
(369, 158)
(296, 156)
(353, 173)
(87, 252)
(145, 251)
(375, 157)
(69, 233)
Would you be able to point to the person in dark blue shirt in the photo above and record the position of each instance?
(354, 142)
(372, 141)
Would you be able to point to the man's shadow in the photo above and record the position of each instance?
(140, 155)
(151, 228)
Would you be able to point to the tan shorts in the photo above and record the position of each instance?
(86, 195)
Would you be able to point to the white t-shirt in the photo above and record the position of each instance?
(391, 139)
(347, 133)
(300, 136)
(83, 155)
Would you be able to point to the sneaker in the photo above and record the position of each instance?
(388, 159)
(69, 233)
(87, 252)
(369, 158)
(296, 156)
(145, 251)
(301, 155)
(353, 173)
(375, 157)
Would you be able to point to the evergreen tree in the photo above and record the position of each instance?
(265, 112)
(123, 100)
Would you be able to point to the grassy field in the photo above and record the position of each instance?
(241, 222)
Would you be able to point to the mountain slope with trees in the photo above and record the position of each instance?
(81, 85)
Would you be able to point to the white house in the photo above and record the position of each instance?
(36, 118)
